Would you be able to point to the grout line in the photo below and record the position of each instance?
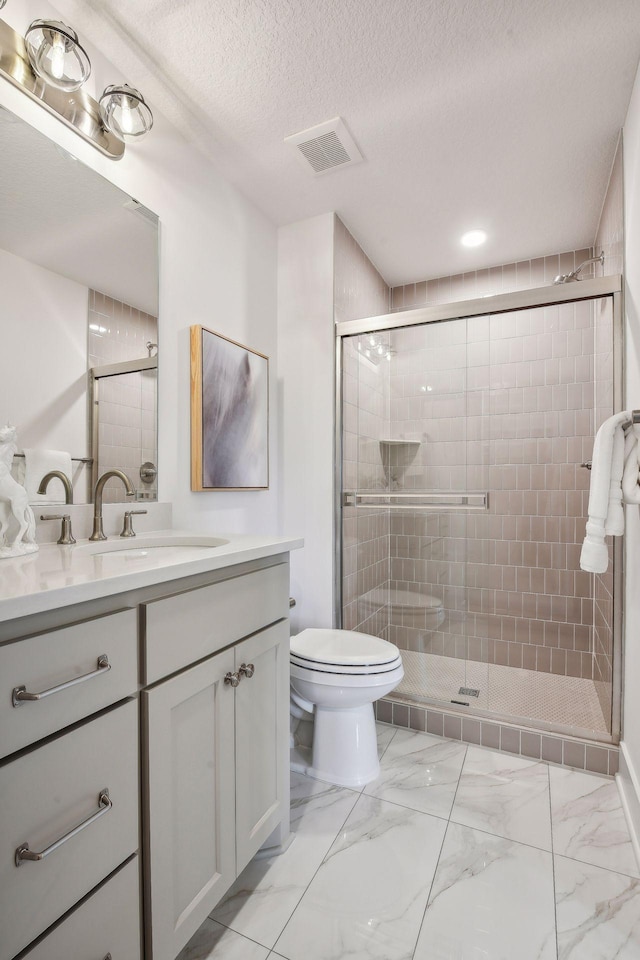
(315, 873)
(553, 866)
(242, 935)
(426, 906)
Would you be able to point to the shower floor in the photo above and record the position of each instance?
(510, 691)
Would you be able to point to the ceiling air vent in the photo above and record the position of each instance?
(326, 146)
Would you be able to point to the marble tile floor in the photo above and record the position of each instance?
(456, 852)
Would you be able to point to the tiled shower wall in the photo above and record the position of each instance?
(360, 291)
(481, 283)
(503, 405)
(127, 438)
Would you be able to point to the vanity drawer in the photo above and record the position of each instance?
(107, 923)
(46, 793)
(216, 616)
(47, 660)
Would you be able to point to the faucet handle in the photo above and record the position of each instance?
(66, 536)
(127, 530)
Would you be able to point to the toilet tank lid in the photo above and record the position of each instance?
(342, 647)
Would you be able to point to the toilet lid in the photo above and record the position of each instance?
(342, 648)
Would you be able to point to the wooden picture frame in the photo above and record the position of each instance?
(229, 414)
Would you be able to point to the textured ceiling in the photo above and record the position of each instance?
(62, 215)
(501, 114)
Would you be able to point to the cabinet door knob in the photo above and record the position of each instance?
(247, 670)
(232, 679)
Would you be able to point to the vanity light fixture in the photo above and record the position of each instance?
(124, 112)
(56, 54)
(50, 66)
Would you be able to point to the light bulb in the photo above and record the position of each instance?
(372, 341)
(57, 56)
(126, 117)
(380, 349)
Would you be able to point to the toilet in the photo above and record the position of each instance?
(335, 677)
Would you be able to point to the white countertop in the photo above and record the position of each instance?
(59, 576)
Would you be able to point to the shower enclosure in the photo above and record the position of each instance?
(464, 439)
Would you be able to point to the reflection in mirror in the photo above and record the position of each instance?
(124, 399)
(79, 281)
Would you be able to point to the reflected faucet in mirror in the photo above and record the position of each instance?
(66, 483)
(98, 533)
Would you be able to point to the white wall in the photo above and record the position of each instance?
(34, 352)
(630, 765)
(218, 268)
(306, 368)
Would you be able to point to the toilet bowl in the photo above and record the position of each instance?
(335, 677)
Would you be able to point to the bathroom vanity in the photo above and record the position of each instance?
(143, 738)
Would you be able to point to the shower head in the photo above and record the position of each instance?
(570, 277)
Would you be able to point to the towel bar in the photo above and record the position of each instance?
(76, 459)
(635, 418)
(416, 500)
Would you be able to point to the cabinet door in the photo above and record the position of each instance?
(262, 739)
(189, 803)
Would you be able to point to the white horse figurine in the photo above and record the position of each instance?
(14, 503)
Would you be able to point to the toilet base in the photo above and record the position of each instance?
(345, 747)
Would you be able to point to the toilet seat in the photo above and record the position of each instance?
(342, 651)
(345, 670)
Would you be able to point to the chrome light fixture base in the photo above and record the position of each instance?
(77, 110)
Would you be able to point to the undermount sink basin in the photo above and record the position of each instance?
(141, 547)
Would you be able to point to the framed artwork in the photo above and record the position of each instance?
(229, 414)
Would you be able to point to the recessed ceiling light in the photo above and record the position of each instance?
(473, 238)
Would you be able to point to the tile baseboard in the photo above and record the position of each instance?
(565, 751)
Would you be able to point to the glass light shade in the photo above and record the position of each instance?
(55, 54)
(125, 113)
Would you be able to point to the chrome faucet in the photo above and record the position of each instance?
(98, 532)
(59, 475)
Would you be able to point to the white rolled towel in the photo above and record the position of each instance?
(631, 474)
(614, 525)
(604, 498)
(37, 464)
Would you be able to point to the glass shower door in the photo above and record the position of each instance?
(465, 497)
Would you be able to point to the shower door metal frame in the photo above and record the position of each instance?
(547, 296)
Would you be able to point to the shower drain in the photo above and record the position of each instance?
(469, 692)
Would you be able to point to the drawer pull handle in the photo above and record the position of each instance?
(20, 695)
(247, 670)
(23, 853)
(232, 679)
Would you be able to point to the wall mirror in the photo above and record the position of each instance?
(78, 320)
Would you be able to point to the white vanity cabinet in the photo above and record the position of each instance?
(163, 706)
(217, 751)
(69, 801)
